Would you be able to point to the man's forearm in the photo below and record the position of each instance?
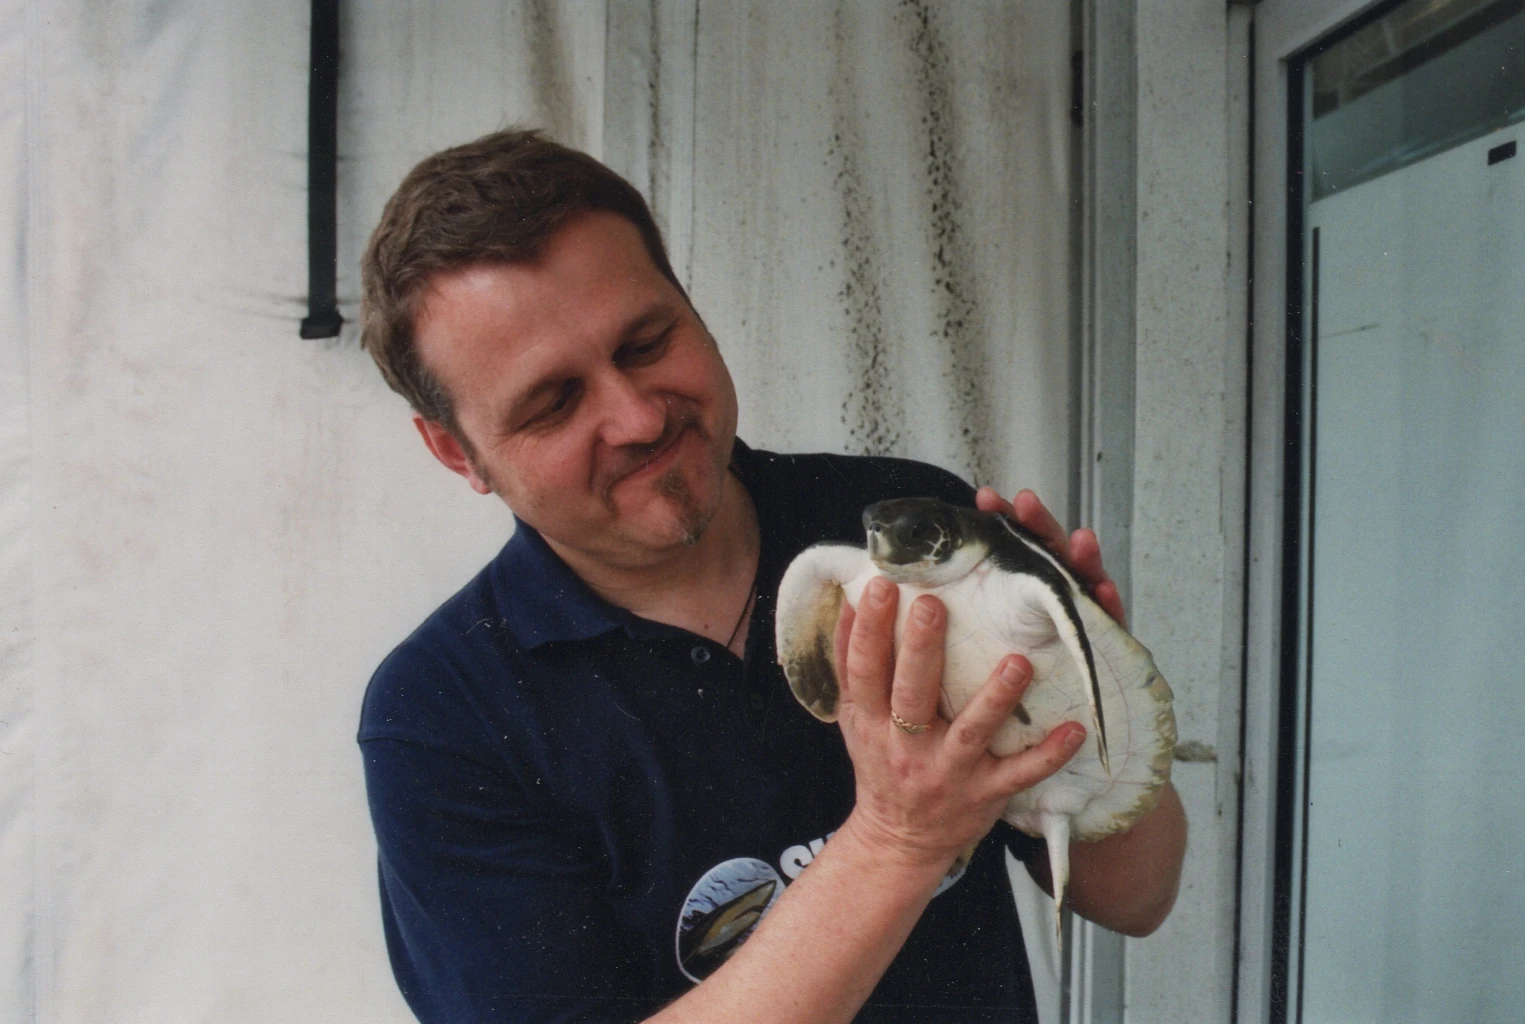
(1128, 882)
(823, 947)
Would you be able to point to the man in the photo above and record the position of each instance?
(590, 785)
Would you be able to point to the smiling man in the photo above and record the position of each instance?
(590, 785)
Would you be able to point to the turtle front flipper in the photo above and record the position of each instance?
(1063, 616)
(1044, 580)
(810, 601)
(1073, 631)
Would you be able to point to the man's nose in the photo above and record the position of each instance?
(631, 414)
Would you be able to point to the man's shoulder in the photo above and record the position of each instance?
(440, 666)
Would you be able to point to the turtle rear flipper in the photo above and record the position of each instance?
(810, 601)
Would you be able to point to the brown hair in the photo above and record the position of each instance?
(496, 200)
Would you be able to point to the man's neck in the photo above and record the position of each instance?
(703, 588)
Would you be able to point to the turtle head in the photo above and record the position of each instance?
(922, 540)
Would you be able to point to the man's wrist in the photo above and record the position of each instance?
(862, 840)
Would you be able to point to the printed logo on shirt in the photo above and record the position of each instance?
(727, 903)
(720, 912)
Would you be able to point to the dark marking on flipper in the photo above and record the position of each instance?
(815, 680)
(1021, 715)
(812, 668)
(962, 861)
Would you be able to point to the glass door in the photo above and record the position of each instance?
(1401, 838)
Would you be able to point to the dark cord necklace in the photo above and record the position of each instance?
(751, 596)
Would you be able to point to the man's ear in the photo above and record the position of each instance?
(447, 448)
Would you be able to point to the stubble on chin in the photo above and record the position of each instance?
(692, 519)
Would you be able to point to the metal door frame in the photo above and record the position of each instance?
(1283, 30)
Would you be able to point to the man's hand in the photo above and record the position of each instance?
(928, 796)
(1080, 550)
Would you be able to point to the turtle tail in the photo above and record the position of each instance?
(1056, 832)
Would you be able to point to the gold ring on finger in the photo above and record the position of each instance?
(907, 727)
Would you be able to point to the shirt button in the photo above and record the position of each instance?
(700, 655)
(757, 702)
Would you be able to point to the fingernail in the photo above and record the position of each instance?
(1012, 671)
(1076, 737)
(878, 590)
(926, 612)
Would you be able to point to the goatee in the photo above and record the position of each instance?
(692, 519)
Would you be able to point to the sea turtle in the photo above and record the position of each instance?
(1004, 592)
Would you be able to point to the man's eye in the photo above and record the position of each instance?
(640, 353)
(559, 404)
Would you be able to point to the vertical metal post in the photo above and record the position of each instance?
(1094, 970)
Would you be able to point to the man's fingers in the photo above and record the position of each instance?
(1111, 601)
(1028, 510)
(1085, 560)
(1081, 551)
(989, 709)
(843, 638)
(919, 662)
(1085, 556)
(1017, 772)
(1032, 514)
(987, 499)
(871, 648)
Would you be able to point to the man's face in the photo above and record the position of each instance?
(591, 397)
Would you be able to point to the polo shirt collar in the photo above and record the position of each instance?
(545, 601)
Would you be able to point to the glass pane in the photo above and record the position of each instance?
(1413, 885)
(1428, 76)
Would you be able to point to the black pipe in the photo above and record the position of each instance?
(323, 319)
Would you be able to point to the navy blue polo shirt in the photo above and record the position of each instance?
(580, 813)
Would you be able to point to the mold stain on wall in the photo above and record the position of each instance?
(657, 171)
(958, 331)
(550, 78)
(873, 410)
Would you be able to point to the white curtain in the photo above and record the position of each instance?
(211, 530)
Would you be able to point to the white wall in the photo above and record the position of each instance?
(229, 525)
(1187, 537)
(18, 720)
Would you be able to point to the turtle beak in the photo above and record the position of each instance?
(879, 547)
(901, 532)
(885, 544)
(873, 522)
